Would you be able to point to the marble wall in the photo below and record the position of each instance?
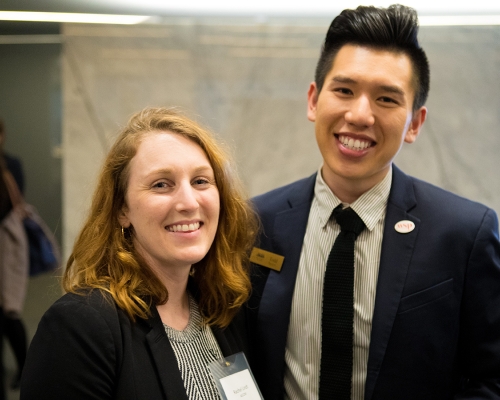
(248, 83)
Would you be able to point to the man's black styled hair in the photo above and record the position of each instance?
(394, 28)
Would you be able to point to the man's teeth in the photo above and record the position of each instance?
(184, 227)
(354, 144)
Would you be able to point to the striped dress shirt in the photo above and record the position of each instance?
(303, 348)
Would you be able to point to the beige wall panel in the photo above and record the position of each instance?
(249, 84)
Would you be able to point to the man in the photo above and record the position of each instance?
(425, 296)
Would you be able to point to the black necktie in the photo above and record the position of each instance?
(338, 310)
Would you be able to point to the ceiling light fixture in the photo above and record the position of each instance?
(72, 17)
(424, 20)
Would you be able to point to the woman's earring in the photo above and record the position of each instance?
(125, 233)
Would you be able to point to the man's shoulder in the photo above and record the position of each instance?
(445, 205)
(433, 193)
(299, 191)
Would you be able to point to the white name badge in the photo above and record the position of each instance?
(234, 378)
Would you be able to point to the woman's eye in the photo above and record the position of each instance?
(201, 181)
(160, 185)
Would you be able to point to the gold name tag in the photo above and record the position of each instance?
(266, 259)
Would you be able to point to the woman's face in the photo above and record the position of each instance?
(172, 201)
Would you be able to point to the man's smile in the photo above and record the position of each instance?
(354, 144)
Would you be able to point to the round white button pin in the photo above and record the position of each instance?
(404, 226)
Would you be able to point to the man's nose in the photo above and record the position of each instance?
(360, 112)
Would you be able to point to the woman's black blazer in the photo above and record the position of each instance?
(86, 348)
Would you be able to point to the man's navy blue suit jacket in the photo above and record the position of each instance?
(436, 323)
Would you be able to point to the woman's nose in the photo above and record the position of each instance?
(187, 199)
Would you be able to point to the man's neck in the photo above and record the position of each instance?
(349, 190)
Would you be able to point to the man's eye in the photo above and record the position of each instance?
(385, 99)
(343, 91)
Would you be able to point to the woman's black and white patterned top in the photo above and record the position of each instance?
(195, 347)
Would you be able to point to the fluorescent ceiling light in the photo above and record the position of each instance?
(424, 19)
(286, 7)
(72, 17)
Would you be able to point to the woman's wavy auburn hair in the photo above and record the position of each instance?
(104, 258)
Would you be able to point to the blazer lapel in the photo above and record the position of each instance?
(164, 359)
(274, 310)
(397, 250)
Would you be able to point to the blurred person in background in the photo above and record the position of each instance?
(12, 325)
(156, 277)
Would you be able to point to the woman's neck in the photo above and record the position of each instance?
(175, 312)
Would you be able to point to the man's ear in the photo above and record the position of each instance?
(312, 100)
(416, 123)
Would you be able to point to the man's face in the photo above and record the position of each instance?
(362, 116)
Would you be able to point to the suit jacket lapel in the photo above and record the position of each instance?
(164, 359)
(397, 250)
(274, 310)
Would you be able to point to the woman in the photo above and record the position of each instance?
(156, 275)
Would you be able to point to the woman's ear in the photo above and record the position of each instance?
(123, 217)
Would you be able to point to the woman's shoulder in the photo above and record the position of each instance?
(78, 345)
(92, 297)
(84, 306)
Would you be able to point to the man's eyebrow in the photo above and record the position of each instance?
(343, 79)
(393, 89)
(386, 88)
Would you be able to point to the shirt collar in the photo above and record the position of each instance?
(370, 206)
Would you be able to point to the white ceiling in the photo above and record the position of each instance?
(254, 7)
